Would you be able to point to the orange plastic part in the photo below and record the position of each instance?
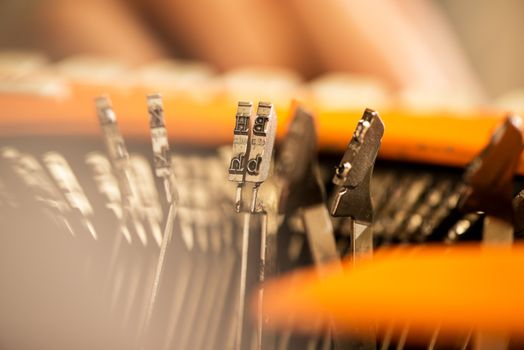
(457, 288)
(436, 137)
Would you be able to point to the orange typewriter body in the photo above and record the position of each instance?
(442, 136)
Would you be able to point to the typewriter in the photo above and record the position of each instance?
(140, 220)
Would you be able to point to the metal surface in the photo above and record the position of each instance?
(241, 137)
(353, 174)
(119, 158)
(352, 199)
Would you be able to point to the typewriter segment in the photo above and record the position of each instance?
(126, 243)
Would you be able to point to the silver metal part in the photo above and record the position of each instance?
(251, 157)
(352, 198)
(497, 231)
(67, 181)
(159, 140)
(148, 202)
(241, 138)
(119, 159)
(353, 175)
(160, 264)
(237, 165)
(115, 146)
(261, 143)
(107, 186)
(40, 184)
(361, 241)
(319, 230)
(160, 144)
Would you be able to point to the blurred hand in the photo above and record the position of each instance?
(406, 43)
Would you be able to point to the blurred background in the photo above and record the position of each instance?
(433, 69)
(474, 47)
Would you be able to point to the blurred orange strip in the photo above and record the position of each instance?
(429, 137)
(457, 287)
